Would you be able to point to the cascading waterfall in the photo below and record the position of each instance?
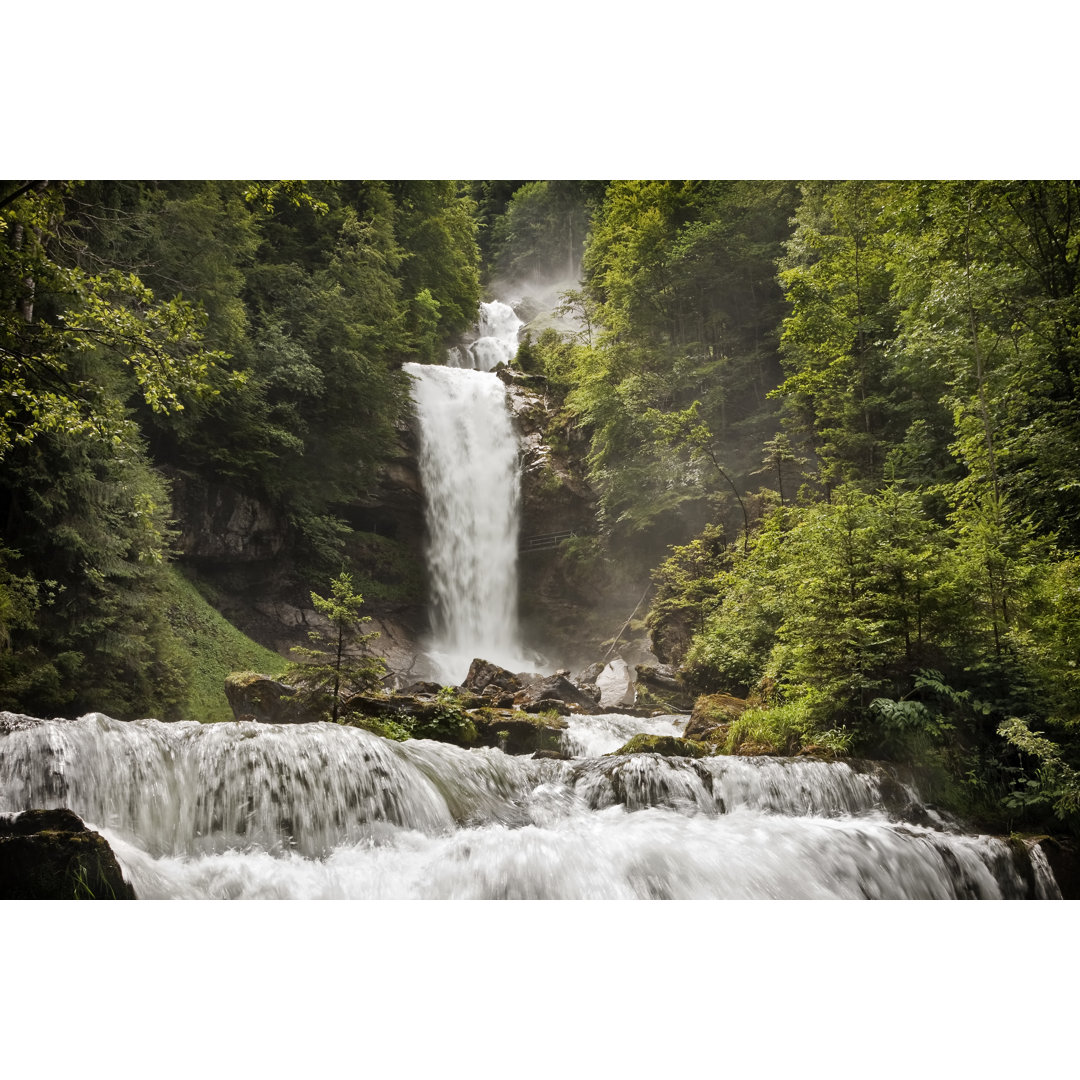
(496, 339)
(246, 810)
(470, 474)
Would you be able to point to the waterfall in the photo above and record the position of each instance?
(470, 474)
(247, 810)
(497, 330)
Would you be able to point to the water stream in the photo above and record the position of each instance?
(246, 810)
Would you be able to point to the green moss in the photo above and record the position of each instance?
(666, 745)
(216, 648)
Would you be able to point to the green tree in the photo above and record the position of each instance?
(337, 666)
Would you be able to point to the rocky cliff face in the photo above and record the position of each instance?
(558, 511)
(244, 554)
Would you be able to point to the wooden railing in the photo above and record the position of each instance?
(543, 543)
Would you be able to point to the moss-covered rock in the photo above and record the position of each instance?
(662, 686)
(518, 732)
(711, 715)
(665, 745)
(52, 855)
(258, 697)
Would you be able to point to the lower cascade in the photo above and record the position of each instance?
(246, 810)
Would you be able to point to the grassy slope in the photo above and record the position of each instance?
(216, 648)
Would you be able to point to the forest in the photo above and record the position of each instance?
(832, 424)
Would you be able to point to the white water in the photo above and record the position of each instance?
(470, 473)
(245, 810)
(496, 342)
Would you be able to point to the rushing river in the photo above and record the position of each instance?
(246, 810)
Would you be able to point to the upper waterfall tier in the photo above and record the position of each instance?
(497, 330)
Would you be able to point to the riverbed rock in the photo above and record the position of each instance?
(483, 673)
(560, 689)
(665, 745)
(259, 697)
(616, 684)
(659, 684)
(517, 732)
(711, 716)
(52, 855)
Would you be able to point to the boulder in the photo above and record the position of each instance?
(547, 705)
(258, 697)
(52, 855)
(712, 713)
(517, 732)
(616, 684)
(419, 688)
(483, 673)
(557, 688)
(588, 676)
(497, 697)
(660, 684)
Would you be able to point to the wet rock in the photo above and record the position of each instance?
(52, 855)
(589, 674)
(616, 684)
(258, 697)
(1063, 855)
(551, 755)
(665, 745)
(517, 732)
(711, 715)
(483, 673)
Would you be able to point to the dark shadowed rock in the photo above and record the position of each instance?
(219, 523)
(417, 688)
(1063, 855)
(52, 855)
(547, 705)
(659, 684)
(483, 673)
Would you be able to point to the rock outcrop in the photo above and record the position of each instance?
(52, 855)
(218, 523)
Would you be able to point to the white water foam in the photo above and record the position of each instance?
(245, 810)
